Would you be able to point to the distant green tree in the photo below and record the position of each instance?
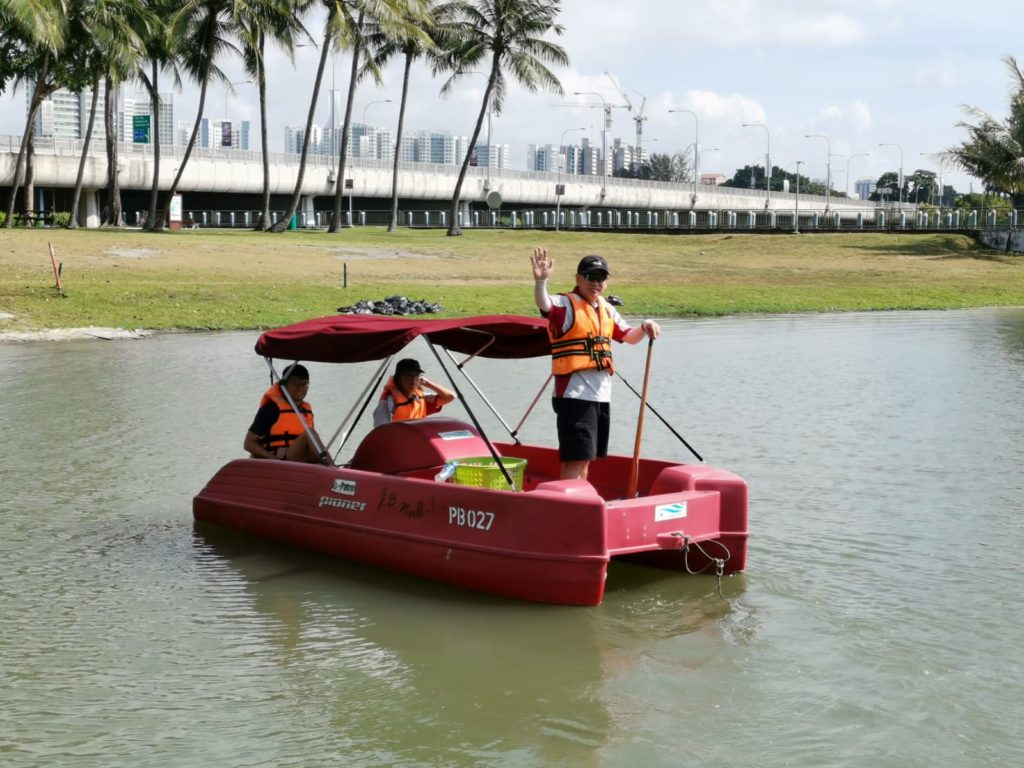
(659, 167)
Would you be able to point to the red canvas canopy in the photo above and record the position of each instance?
(358, 338)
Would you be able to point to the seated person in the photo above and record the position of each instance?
(277, 432)
(403, 396)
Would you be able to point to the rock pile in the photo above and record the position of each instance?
(392, 305)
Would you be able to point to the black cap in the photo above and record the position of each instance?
(406, 366)
(592, 264)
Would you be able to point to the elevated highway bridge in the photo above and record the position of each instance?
(222, 187)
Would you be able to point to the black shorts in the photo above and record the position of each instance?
(582, 428)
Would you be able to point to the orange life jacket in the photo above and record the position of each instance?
(289, 424)
(588, 342)
(413, 406)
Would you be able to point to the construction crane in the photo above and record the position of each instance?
(607, 128)
(638, 118)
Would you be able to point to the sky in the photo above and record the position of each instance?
(861, 74)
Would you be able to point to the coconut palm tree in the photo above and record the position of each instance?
(40, 27)
(112, 35)
(341, 30)
(280, 21)
(411, 44)
(387, 17)
(204, 29)
(161, 56)
(994, 150)
(501, 35)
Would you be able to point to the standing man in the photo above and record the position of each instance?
(581, 326)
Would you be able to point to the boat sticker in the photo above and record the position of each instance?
(470, 518)
(344, 487)
(670, 511)
(330, 501)
(456, 434)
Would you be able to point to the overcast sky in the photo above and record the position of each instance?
(861, 73)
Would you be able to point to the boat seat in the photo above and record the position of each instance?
(408, 446)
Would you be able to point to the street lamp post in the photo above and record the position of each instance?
(767, 161)
(796, 216)
(379, 101)
(883, 144)
(859, 154)
(696, 148)
(604, 137)
(828, 165)
(559, 189)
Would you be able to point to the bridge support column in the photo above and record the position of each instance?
(89, 209)
(307, 214)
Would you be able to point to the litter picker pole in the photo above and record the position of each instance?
(634, 469)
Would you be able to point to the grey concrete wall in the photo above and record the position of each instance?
(1004, 240)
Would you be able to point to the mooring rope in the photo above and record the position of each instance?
(718, 562)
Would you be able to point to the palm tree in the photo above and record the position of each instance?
(111, 31)
(161, 54)
(256, 20)
(994, 150)
(340, 30)
(412, 44)
(385, 17)
(41, 26)
(204, 29)
(507, 35)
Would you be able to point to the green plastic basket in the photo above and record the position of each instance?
(483, 472)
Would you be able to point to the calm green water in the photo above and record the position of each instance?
(878, 622)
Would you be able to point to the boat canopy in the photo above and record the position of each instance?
(358, 338)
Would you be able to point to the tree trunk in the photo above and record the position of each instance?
(29, 192)
(166, 212)
(38, 95)
(453, 227)
(261, 78)
(339, 185)
(154, 187)
(393, 226)
(293, 204)
(113, 180)
(73, 219)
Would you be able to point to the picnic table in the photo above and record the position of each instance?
(31, 218)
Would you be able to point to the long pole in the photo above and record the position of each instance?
(884, 144)
(859, 154)
(634, 469)
(828, 165)
(767, 161)
(696, 146)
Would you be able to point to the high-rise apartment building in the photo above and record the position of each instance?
(864, 187)
(138, 104)
(65, 115)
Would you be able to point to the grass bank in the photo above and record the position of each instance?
(237, 280)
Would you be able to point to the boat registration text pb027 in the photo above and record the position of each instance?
(471, 518)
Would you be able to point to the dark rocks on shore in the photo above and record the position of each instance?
(392, 305)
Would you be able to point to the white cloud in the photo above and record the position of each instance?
(735, 107)
(856, 114)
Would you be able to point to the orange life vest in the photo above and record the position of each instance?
(588, 342)
(413, 406)
(289, 424)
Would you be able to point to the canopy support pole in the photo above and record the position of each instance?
(371, 386)
(483, 397)
(320, 451)
(530, 409)
(476, 422)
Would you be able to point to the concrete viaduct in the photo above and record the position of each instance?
(234, 178)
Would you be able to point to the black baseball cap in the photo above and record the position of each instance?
(406, 366)
(590, 264)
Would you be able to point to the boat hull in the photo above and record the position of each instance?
(551, 542)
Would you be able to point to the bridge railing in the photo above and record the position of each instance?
(865, 220)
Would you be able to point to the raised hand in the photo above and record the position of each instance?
(542, 263)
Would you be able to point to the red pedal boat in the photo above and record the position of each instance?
(529, 537)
